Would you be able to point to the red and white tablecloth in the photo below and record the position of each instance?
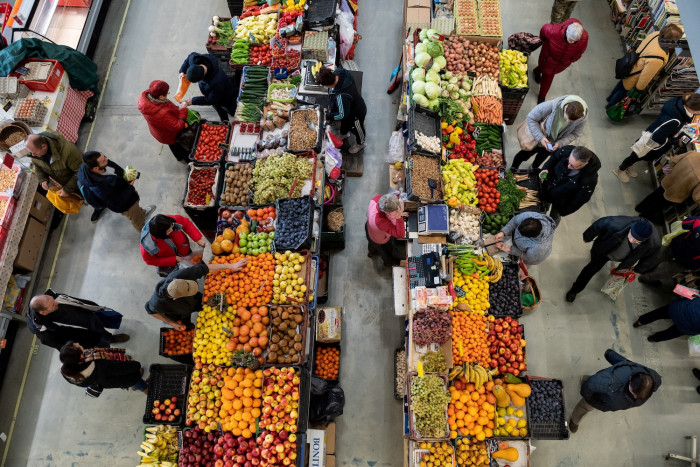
(72, 113)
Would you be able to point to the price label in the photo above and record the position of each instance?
(226, 330)
(461, 349)
(224, 146)
(420, 369)
(460, 291)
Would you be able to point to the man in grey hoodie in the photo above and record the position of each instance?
(532, 236)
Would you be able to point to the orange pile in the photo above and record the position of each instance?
(261, 214)
(469, 338)
(250, 331)
(241, 399)
(178, 342)
(471, 411)
(327, 362)
(252, 286)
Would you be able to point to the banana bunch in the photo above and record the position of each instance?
(472, 373)
(495, 268)
(160, 447)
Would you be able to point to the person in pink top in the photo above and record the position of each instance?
(385, 223)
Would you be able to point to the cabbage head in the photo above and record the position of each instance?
(418, 74)
(420, 48)
(422, 59)
(434, 104)
(432, 90)
(432, 76)
(418, 87)
(421, 100)
(423, 34)
(435, 49)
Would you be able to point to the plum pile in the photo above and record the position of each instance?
(504, 295)
(292, 223)
(546, 404)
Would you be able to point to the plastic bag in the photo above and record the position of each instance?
(347, 33)
(396, 145)
(318, 385)
(334, 159)
(616, 283)
(194, 258)
(326, 407)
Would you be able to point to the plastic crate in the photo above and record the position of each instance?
(320, 13)
(425, 121)
(319, 345)
(510, 273)
(437, 195)
(196, 141)
(214, 200)
(304, 396)
(306, 243)
(555, 429)
(323, 277)
(414, 435)
(332, 239)
(313, 279)
(50, 83)
(455, 442)
(281, 86)
(185, 359)
(399, 390)
(219, 50)
(166, 381)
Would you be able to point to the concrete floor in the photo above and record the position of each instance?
(58, 426)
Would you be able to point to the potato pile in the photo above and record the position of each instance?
(463, 55)
(286, 339)
(237, 183)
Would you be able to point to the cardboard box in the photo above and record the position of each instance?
(40, 208)
(418, 15)
(30, 245)
(317, 447)
(330, 460)
(330, 439)
(417, 3)
(328, 324)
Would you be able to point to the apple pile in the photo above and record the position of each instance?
(197, 448)
(165, 411)
(238, 452)
(507, 346)
(281, 396)
(277, 448)
(204, 400)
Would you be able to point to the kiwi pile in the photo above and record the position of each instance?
(237, 184)
(286, 339)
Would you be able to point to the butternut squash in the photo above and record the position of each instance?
(509, 454)
(515, 398)
(502, 397)
(523, 390)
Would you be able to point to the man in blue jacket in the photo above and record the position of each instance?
(102, 184)
(217, 89)
(632, 241)
(620, 387)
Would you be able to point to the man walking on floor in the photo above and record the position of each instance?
(628, 240)
(622, 386)
(102, 183)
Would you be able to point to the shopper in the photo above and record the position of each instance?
(684, 313)
(652, 59)
(569, 179)
(165, 242)
(346, 106)
(632, 241)
(102, 184)
(101, 367)
(531, 233)
(217, 89)
(57, 318)
(682, 254)
(664, 131)
(177, 296)
(681, 183)
(622, 386)
(385, 224)
(562, 9)
(562, 45)
(165, 119)
(549, 126)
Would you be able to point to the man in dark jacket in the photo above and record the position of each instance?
(347, 105)
(571, 177)
(102, 184)
(622, 386)
(217, 89)
(682, 254)
(177, 296)
(632, 241)
(58, 318)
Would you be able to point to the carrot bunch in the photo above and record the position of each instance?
(252, 286)
(327, 362)
(241, 399)
(487, 109)
(469, 338)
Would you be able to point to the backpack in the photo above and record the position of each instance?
(624, 65)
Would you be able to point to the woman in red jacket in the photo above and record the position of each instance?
(562, 45)
(165, 119)
(165, 242)
(385, 223)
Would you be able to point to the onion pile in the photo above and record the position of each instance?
(464, 55)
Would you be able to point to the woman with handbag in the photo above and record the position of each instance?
(548, 127)
(166, 121)
(660, 135)
(101, 367)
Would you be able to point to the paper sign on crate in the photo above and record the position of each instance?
(317, 447)
(328, 324)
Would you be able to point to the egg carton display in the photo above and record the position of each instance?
(11, 88)
(31, 111)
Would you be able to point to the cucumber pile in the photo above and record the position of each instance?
(253, 93)
(488, 137)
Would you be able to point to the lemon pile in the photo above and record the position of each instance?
(440, 454)
(288, 285)
(210, 337)
(471, 453)
(477, 292)
(510, 422)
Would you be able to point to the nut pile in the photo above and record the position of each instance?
(401, 365)
(424, 168)
(286, 338)
(3, 206)
(237, 184)
(302, 137)
(336, 219)
(7, 179)
(15, 137)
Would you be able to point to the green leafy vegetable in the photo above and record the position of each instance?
(511, 195)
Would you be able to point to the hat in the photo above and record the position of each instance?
(574, 31)
(642, 230)
(158, 88)
(195, 73)
(179, 288)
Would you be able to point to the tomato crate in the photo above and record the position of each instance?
(185, 359)
(547, 391)
(214, 144)
(330, 345)
(213, 192)
(165, 382)
(50, 83)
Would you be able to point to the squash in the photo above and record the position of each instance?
(502, 397)
(509, 454)
(515, 398)
(523, 390)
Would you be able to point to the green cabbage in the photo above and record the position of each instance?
(434, 104)
(432, 90)
(430, 32)
(421, 100)
(420, 48)
(435, 49)
(418, 74)
(439, 63)
(422, 59)
(423, 34)
(432, 76)
(418, 87)
(130, 173)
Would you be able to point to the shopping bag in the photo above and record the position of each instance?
(396, 148)
(616, 283)
(525, 138)
(109, 318)
(194, 258)
(676, 230)
(626, 107)
(645, 143)
(66, 204)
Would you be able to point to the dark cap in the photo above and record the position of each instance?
(195, 73)
(642, 230)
